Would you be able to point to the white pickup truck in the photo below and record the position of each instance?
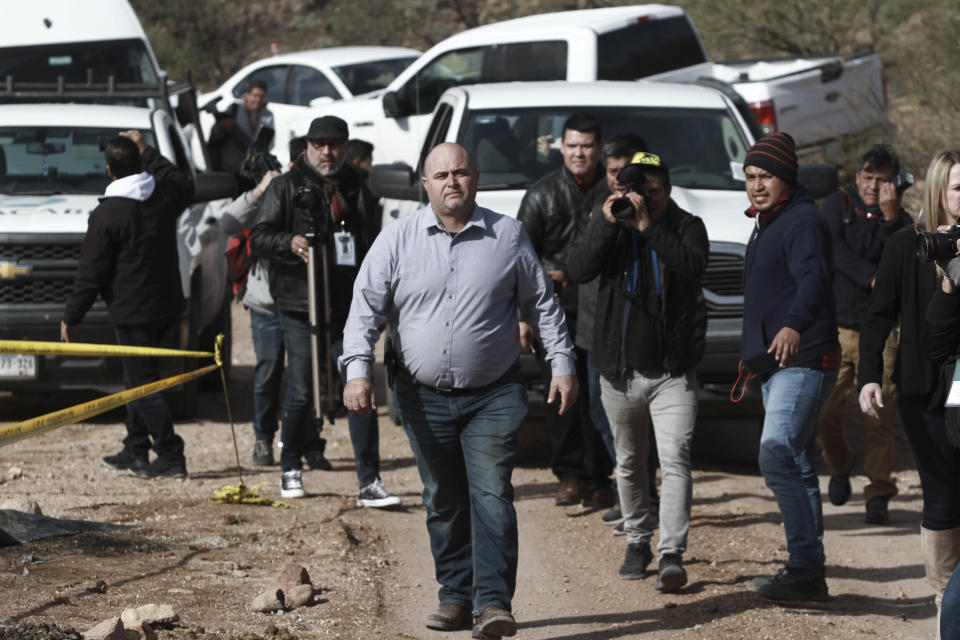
(697, 131)
(815, 100)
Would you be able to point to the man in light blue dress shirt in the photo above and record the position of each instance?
(449, 281)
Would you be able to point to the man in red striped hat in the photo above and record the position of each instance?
(790, 343)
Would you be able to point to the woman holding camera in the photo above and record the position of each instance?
(904, 287)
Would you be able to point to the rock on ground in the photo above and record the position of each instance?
(110, 629)
(154, 614)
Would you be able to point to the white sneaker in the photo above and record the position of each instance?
(291, 486)
(374, 495)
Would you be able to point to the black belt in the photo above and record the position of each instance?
(512, 375)
(449, 391)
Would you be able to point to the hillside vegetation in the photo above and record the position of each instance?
(918, 40)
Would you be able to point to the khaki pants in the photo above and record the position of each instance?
(880, 435)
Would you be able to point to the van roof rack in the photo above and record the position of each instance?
(162, 90)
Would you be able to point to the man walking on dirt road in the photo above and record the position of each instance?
(449, 281)
(790, 343)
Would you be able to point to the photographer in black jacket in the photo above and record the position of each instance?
(649, 330)
(554, 214)
(129, 258)
(319, 193)
(861, 218)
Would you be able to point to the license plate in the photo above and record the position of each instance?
(13, 365)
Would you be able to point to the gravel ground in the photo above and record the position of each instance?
(373, 569)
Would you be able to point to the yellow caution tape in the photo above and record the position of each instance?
(27, 347)
(35, 426)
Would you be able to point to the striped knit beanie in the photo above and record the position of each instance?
(775, 153)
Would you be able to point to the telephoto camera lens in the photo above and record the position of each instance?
(937, 246)
(622, 208)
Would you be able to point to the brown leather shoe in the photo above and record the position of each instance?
(450, 616)
(571, 492)
(602, 498)
(494, 622)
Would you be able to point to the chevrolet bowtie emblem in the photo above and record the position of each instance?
(10, 270)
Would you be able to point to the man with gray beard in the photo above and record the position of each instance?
(319, 194)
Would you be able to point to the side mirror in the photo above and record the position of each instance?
(322, 100)
(214, 185)
(820, 179)
(393, 105)
(394, 181)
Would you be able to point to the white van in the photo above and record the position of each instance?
(80, 41)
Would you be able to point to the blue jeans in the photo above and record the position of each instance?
(149, 417)
(597, 414)
(792, 399)
(950, 609)
(268, 372)
(465, 446)
(297, 429)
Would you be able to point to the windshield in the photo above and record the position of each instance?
(365, 77)
(513, 148)
(126, 60)
(48, 160)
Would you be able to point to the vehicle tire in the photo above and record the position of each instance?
(221, 324)
(182, 400)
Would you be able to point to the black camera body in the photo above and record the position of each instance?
(903, 181)
(258, 160)
(938, 246)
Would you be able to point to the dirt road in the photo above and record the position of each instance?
(374, 568)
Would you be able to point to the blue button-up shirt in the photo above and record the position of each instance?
(451, 301)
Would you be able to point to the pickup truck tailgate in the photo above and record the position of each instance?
(836, 97)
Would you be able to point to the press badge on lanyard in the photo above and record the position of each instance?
(345, 248)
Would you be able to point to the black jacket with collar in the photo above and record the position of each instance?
(129, 253)
(281, 218)
(858, 237)
(553, 214)
(682, 250)
(905, 286)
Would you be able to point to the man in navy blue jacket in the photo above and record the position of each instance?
(790, 343)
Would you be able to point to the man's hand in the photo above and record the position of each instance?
(137, 138)
(568, 388)
(66, 330)
(261, 187)
(871, 397)
(784, 346)
(526, 336)
(358, 396)
(299, 246)
(889, 200)
(560, 280)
